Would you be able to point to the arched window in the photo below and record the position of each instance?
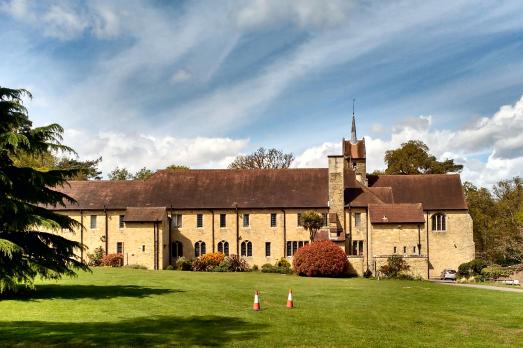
(176, 249)
(223, 247)
(246, 248)
(439, 222)
(199, 248)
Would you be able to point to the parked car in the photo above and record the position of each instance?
(448, 274)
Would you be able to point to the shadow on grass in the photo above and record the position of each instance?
(145, 331)
(95, 292)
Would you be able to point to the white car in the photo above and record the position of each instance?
(449, 274)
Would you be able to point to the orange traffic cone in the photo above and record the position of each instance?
(290, 302)
(256, 305)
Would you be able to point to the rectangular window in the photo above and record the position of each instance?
(404, 249)
(223, 221)
(93, 222)
(300, 220)
(414, 250)
(177, 220)
(143, 248)
(119, 248)
(273, 220)
(289, 248)
(357, 219)
(246, 222)
(357, 247)
(121, 223)
(395, 250)
(199, 220)
(325, 221)
(267, 249)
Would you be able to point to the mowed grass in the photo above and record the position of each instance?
(124, 307)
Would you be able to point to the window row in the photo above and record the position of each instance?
(120, 249)
(93, 221)
(416, 250)
(293, 246)
(223, 247)
(178, 223)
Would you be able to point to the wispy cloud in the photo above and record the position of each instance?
(498, 138)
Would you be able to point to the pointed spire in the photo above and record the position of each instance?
(353, 137)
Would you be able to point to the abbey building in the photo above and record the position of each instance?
(256, 214)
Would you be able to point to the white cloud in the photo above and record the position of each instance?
(181, 75)
(135, 151)
(498, 138)
(63, 20)
(304, 13)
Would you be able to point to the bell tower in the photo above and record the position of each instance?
(354, 153)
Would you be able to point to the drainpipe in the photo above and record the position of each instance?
(367, 237)
(237, 230)
(419, 240)
(106, 231)
(82, 235)
(212, 230)
(284, 233)
(170, 221)
(428, 257)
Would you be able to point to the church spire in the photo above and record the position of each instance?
(353, 137)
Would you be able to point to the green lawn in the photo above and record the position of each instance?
(136, 307)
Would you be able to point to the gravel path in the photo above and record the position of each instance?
(478, 286)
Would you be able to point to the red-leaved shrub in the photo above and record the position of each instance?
(320, 259)
(113, 260)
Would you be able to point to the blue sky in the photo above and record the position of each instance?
(198, 82)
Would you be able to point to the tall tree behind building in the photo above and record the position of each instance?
(413, 157)
(263, 159)
(498, 220)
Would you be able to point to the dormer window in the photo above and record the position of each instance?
(439, 222)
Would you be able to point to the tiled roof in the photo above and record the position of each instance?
(354, 151)
(263, 188)
(434, 191)
(208, 189)
(396, 213)
(149, 214)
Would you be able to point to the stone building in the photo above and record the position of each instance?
(256, 214)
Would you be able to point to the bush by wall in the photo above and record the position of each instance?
(183, 264)
(235, 263)
(396, 267)
(320, 259)
(95, 259)
(472, 268)
(112, 260)
(495, 272)
(135, 266)
(268, 268)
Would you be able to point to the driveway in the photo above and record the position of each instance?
(478, 286)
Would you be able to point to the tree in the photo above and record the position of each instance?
(143, 174)
(413, 158)
(177, 167)
(25, 192)
(263, 159)
(312, 222)
(87, 170)
(498, 220)
(120, 174)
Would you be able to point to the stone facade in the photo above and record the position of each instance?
(256, 214)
